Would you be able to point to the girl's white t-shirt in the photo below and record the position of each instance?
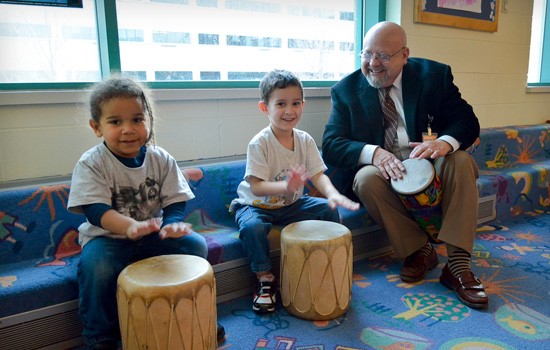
(140, 193)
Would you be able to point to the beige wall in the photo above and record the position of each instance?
(489, 68)
(46, 139)
(44, 134)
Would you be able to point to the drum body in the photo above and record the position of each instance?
(168, 302)
(316, 269)
(420, 192)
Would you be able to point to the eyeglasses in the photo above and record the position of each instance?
(383, 57)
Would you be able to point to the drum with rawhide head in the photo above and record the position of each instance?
(168, 302)
(316, 269)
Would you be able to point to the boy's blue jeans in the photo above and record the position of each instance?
(101, 261)
(255, 223)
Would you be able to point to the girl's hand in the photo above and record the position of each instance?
(175, 230)
(339, 200)
(139, 229)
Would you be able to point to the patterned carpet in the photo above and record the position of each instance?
(511, 258)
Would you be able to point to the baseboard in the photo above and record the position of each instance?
(50, 328)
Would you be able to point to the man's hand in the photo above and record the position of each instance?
(389, 165)
(430, 149)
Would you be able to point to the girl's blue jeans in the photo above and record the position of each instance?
(101, 261)
(255, 223)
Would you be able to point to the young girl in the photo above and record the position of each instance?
(133, 195)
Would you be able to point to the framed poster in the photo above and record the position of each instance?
(467, 14)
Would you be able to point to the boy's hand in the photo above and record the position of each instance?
(298, 177)
(175, 230)
(142, 228)
(339, 200)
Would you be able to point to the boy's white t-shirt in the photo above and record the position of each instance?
(140, 193)
(268, 160)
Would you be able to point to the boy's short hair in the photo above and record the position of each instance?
(278, 79)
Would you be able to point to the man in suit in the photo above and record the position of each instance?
(424, 97)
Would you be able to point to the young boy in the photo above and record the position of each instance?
(280, 159)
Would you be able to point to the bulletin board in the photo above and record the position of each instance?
(467, 14)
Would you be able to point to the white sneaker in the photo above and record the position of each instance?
(264, 297)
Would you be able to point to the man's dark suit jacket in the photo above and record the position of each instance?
(356, 116)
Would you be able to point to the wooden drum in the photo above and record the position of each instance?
(420, 192)
(168, 302)
(316, 269)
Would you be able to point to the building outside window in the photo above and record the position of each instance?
(173, 40)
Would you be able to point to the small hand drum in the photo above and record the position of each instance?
(168, 302)
(420, 192)
(316, 269)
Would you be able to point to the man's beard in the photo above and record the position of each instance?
(376, 83)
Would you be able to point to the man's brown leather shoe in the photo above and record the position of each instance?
(415, 266)
(467, 287)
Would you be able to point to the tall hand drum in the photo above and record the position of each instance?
(168, 302)
(316, 269)
(420, 192)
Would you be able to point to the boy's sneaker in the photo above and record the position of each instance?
(264, 297)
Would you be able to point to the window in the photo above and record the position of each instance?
(209, 39)
(173, 75)
(48, 44)
(171, 37)
(130, 35)
(82, 33)
(181, 40)
(210, 76)
(242, 40)
(539, 58)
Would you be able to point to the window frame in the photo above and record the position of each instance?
(543, 84)
(110, 63)
(545, 55)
